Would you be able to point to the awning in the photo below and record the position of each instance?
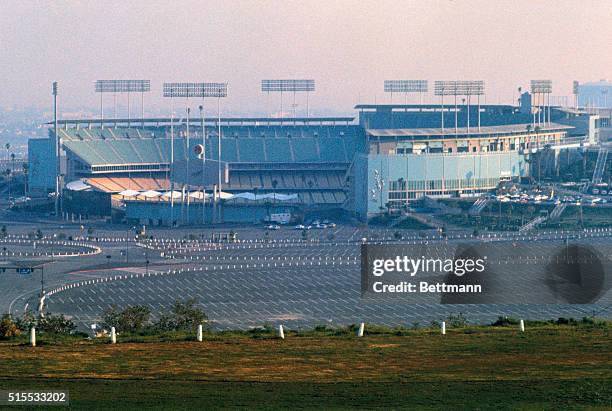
(151, 194)
(198, 195)
(172, 194)
(225, 196)
(77, 185)
(129, 193)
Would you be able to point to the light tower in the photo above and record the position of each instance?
(290, 85)
(122, 86)
(202, 90)
(406, 86)
(56, 148)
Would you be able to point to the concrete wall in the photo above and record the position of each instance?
(158, 212)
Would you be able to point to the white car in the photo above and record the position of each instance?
(273, 227)
(300, 227)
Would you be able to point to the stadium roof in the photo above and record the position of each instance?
(600, 83)
(424, 106)
(450, 131)
(209, 121)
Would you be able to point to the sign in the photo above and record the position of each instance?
(24, 270)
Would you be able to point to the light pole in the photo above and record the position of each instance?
(171, 161)
(195, 90)
(56, 150)
(146, 255)
(187, 177)
(127, 244)
(203, 163)
(218, 197)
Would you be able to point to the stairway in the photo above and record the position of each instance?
(530, 225)
(478, 206)
(557, 211)
(600, 165)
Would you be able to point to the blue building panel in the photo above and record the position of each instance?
(432, 174)
(41, 160)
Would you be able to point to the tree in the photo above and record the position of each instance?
(26, 169)
(56, 324)
(26, 321)
(131, 319)
(39, 234)
(12, 171)
(388, 206)
(3, 231)
(7, 173)
(184, 316)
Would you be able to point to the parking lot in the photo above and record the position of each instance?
(284, 279)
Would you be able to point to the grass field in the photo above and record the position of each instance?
(548, 367)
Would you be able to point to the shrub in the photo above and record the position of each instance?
(7, 327)
(505, 322)
(56, 324)
(184, 316)
(457, 321)
(130, 319)
(25, 322)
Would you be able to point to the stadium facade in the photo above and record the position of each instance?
(390, 157)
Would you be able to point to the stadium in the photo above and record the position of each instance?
(164, 171)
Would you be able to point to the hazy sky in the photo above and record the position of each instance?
(348, 47)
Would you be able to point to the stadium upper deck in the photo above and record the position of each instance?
(94, 150)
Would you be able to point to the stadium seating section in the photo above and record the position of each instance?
(239, 144)
(310, 161)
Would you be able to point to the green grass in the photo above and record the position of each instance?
(91, 394)
(547, 367)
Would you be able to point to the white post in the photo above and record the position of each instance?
(281, 332)
(33, 337)
(443, 327)
(113, 336)
(522, 326)
(199, 337)
(361, 328)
